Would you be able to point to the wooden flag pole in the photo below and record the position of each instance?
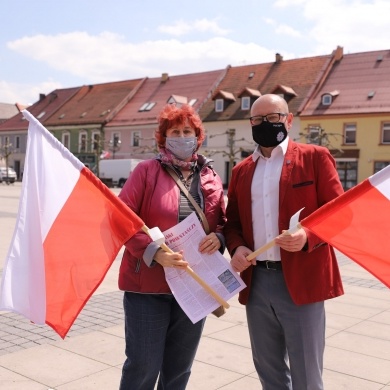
(190, 271)
(268, 245)
(261, 250)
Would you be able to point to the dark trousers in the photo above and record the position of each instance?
(161, 342)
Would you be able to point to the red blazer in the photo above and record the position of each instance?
(308, 179)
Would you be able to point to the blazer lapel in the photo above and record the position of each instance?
(285, 177)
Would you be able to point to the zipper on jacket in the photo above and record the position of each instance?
(138, 266)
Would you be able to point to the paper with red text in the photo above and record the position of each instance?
(214, 269)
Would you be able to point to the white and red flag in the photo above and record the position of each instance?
(69, 229)
(357, 223)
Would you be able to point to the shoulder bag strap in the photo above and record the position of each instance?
(191, 199)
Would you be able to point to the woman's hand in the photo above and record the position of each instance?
(209, 244)
(173, 260)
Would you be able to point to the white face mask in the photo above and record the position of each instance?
(181, 147)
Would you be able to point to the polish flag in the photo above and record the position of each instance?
(69, 229)
(357, 224)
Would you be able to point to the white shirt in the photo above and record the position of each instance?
(265, 199)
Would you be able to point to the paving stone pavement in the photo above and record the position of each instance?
(101, 311)
(32, 357)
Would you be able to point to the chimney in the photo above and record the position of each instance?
(278, 58)
(338, 53)
(164, 77)
(42, 96)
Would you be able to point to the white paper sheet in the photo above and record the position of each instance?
(214, 269)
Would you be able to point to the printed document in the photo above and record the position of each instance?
(214, 269)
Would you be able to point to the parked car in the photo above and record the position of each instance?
(10, 178)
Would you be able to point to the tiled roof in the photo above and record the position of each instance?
(292, 76)
(196, 87)
(7, 111)
(224, 95)
(237, 78)
(42, 109)
(95, 104)
(354, 78)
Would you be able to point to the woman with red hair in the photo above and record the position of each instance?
(161, 341)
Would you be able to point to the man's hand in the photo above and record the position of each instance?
(239, 262)
(292, 242)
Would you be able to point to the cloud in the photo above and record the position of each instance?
(108, 57)
(282, 29)
(181, 27)
(357, 25)
(25, 93)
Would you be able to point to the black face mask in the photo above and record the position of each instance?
(269, 134)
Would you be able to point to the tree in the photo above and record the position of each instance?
(318, 136)
(5, 151)
(232, 151)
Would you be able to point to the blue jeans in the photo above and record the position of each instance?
(161, 342)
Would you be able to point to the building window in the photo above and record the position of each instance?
(147, 106)
(82, 142)
(17, 142)
(95, 145)
(245, 103)
(314, 135)
(135, 138)
(326, 100)
(349, 134)
(386, 133)
(218, 105)
(66, 140)
(379, 165)
(347, 173)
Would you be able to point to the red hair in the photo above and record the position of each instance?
(171, 116)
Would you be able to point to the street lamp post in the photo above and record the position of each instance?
(115, 145)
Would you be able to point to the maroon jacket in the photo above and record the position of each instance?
(308, 179)
(154, 196)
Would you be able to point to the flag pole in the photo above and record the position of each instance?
(192, 273)
(262, 249)
(271, 243)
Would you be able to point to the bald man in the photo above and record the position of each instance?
(287, 284)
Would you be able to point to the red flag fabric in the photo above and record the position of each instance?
(357, 224)
(69, 229)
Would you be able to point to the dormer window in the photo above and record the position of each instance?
(285, 92)
(245, 103)
(218, 105)
(248, 96)
(178, 100)
(327, 98)
(222, 100)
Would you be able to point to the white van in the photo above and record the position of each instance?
(117, 170)
(11, 177)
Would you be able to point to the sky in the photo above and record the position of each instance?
(46, 45)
